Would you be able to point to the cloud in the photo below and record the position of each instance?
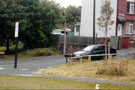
(66, 3)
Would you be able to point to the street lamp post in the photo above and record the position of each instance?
(94, 8)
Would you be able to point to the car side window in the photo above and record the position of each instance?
(95, 49)
(102, 48)
(99, 48)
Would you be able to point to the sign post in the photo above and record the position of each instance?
(16, 42)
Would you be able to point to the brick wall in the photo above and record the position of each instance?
(122, 6)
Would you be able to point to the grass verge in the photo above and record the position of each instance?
(30, 53)
(21, 82)
(93, 70)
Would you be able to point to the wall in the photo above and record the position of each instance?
(87, 18)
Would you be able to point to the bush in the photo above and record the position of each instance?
(40, 52)
(12, 48)
(109, 67)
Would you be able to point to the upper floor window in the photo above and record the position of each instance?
(129, 28)
(130, 7)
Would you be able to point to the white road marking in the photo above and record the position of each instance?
(1, 68)
(18, 64)
(24, 69)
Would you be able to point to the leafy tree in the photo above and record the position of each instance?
(37, 19)
(10, 11)
(42, 22)
(73, 15)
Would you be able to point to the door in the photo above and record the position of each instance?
(119, 29)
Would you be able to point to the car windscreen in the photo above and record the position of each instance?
(88, 48)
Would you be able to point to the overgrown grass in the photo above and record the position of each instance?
(21, 82)
(29, 53)
(120, 70)
(114, 68)
(39, 52)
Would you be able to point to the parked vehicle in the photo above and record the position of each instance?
(93, 49)
(60, 31)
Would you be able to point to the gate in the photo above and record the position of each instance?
(125, 42)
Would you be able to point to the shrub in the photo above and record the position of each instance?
(41, 52)
(109, 67)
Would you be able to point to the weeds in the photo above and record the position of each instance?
(111, 70)
(109, 67)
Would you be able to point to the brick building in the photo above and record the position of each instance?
(123, 17)
(126, 22)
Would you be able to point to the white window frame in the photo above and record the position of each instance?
(129, 26)
(132, 6)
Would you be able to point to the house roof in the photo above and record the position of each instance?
(77, 24)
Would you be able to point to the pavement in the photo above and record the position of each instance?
(123, 54)
(27, 66)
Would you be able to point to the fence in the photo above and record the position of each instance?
(74, 43)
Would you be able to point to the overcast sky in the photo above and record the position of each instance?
(66, 3)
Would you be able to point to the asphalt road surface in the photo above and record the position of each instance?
(29, 65)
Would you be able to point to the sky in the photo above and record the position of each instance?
(65, 3)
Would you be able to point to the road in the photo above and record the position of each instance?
(29, 65)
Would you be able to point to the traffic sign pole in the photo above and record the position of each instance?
(16, 42)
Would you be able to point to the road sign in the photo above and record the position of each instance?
(2, 52)
(16, 29)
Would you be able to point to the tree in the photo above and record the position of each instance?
(10, 11)
(104, 21)
(37, 20)
(73, 15)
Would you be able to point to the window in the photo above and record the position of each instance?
(130, 8)
(102, 48)
(99, 48)
(129, 28)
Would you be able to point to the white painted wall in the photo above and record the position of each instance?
(87, 18)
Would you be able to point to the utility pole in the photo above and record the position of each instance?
(65, 38)
(116, 34)
(94, 8)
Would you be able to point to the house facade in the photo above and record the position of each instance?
(126, 18)
(123, 17)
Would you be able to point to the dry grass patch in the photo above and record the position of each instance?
(119, 68)
(113, 70)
